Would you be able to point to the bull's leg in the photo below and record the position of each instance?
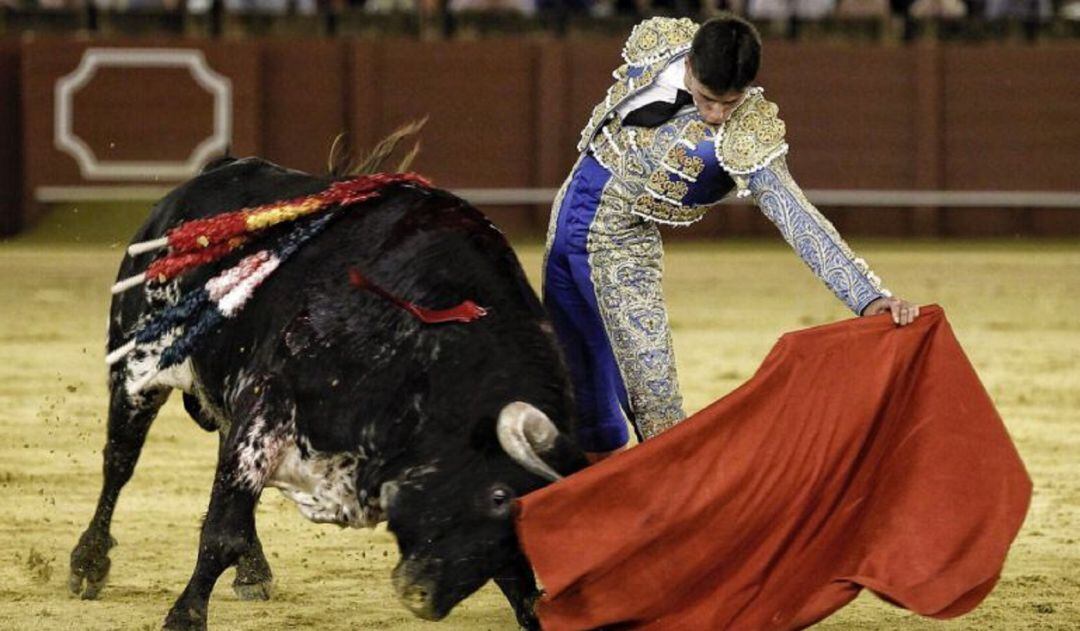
(129, 421)
(519, 586)
(254, 580)
(246, 459)
(227, 533)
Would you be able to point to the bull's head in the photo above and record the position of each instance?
(455, 528)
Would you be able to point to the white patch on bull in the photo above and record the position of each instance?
(245, 380)
(141, 371)
(305, 445)
(141, 365)
(180, 376)
(263, 445)
(323, 486)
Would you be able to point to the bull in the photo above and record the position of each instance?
(348, 404)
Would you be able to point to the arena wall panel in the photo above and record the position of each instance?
(133, 114)
(1011, 117)
(554, 147)
(850, 113)
(11, 201)
(1010, 120)
(302, 88)
(590, 64)
(481, 100)
(506, 113)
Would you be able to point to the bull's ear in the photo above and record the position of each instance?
(533, 441)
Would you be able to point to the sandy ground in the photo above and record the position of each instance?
(1014, 306)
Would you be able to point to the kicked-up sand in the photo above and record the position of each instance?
(1014, 306)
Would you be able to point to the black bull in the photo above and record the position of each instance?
(347, 403)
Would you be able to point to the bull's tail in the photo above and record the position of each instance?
(340, 162)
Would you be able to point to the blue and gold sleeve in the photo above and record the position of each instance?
(813, 237)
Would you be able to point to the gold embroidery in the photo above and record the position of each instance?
(753, 136)
(654, 168)
(644, 137)
(687, 165)
(649, 207)
(616, 93)
(697, 131)
(606, 155)
(652, 45)
(657, 38)
(610, 146)
(626, 266)
(672, 191)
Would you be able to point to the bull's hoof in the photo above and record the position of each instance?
(90, 565)
(185, 619)
(86, 588)
(253, 591)
(254, 580)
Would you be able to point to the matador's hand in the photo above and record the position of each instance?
(903, 312)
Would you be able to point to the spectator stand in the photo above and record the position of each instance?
(886, 21)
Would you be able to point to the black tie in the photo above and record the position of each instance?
(657, 112)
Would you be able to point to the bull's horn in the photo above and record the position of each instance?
(524, 433)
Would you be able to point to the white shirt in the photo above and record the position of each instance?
(665, 88)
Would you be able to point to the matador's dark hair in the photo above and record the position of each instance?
(726, 53)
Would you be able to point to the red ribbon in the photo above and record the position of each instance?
(467, 311)
(198, 234)
(202, 241)
(171, 266)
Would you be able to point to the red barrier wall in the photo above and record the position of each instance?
(507, 113)
(10, 155)
(1011, 120)
(305, 96)
(124, 114)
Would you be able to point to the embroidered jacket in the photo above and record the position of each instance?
(676, 171)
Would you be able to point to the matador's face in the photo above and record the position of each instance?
(714, 108)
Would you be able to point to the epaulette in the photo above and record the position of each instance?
(656, 39)
(751, 138)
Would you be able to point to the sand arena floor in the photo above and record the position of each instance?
(1015, 308)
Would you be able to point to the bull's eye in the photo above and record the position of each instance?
(500, 500)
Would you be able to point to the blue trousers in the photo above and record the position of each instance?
(570, 298)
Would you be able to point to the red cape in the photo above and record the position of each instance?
(860, 455)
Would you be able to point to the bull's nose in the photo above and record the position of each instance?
(417, 595)
(417, 599)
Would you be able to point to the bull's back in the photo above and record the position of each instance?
(352, 359)
(224, 186)
(426, 246)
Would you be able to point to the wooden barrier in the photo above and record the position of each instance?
(506, 113)
(11, 200)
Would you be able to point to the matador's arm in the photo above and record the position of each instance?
(813, 237)
(750, 147)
